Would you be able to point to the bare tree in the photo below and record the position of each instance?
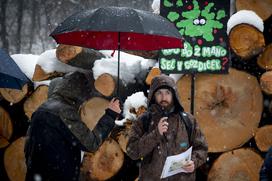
(20, 14)
(34, 6)
(3, 30)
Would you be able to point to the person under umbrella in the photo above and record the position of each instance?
(57, 134)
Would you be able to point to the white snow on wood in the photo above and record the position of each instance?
(26, 62)
(156, 6)
(130, 66)
(49, 63)
(135, 101)
(246, 17)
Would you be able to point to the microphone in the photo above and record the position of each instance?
(165, 114)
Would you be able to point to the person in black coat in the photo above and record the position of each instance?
(57, 135)
(266, 170)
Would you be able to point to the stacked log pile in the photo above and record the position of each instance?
(233, 110)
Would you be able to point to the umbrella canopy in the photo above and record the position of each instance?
(118, 28)
(106, 28)
(11, 75)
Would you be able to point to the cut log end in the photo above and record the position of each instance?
(242, 164)
(153, 72)
(105, 84)
(65, 53)
(14, 160)
(265, 58)
(38, 97)
(228, 107)
(266, 82)
(92, 110)
(6, 126)
(40, 74)
(246, 41)
(14, 95)
(263, 138)
(262, 8)
(104, 163)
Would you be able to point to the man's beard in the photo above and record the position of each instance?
(166, 105)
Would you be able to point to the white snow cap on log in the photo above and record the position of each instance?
(49, 63)
(135, 101)
(246, 17)
(26, 62)
(130, 66)
(156, 6)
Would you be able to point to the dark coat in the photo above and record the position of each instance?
(57, 135)
(154, 148)
(266, 170)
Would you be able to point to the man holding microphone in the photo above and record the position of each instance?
(165, 130)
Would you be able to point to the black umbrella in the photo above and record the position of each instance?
(11, 75)
(118, 28)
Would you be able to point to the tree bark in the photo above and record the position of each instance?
(3, 32)
(20, 10)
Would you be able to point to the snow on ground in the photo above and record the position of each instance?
(247, 17)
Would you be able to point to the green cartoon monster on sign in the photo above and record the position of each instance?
(202, 23)
(197, 22)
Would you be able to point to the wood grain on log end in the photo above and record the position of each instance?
(227, 107)
(40, 74)
(3, 142)
(65, 53)
(266, 82)
(262, 8)
(6, 126)
(105, 84)
(153, 72)
(38, 97)
(92, 110)
(246, 41)
(104, 163)
(265, 58)
(240, 165)
(14, 160)
(263, 138)
(14, 95)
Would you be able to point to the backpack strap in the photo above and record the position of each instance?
(188, 125)
(146, 119)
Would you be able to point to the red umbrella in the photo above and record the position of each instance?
(118, 28)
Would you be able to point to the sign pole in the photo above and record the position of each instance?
(193, 93)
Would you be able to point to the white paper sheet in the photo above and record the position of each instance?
(173, 164)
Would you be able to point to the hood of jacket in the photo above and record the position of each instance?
(164, 81)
